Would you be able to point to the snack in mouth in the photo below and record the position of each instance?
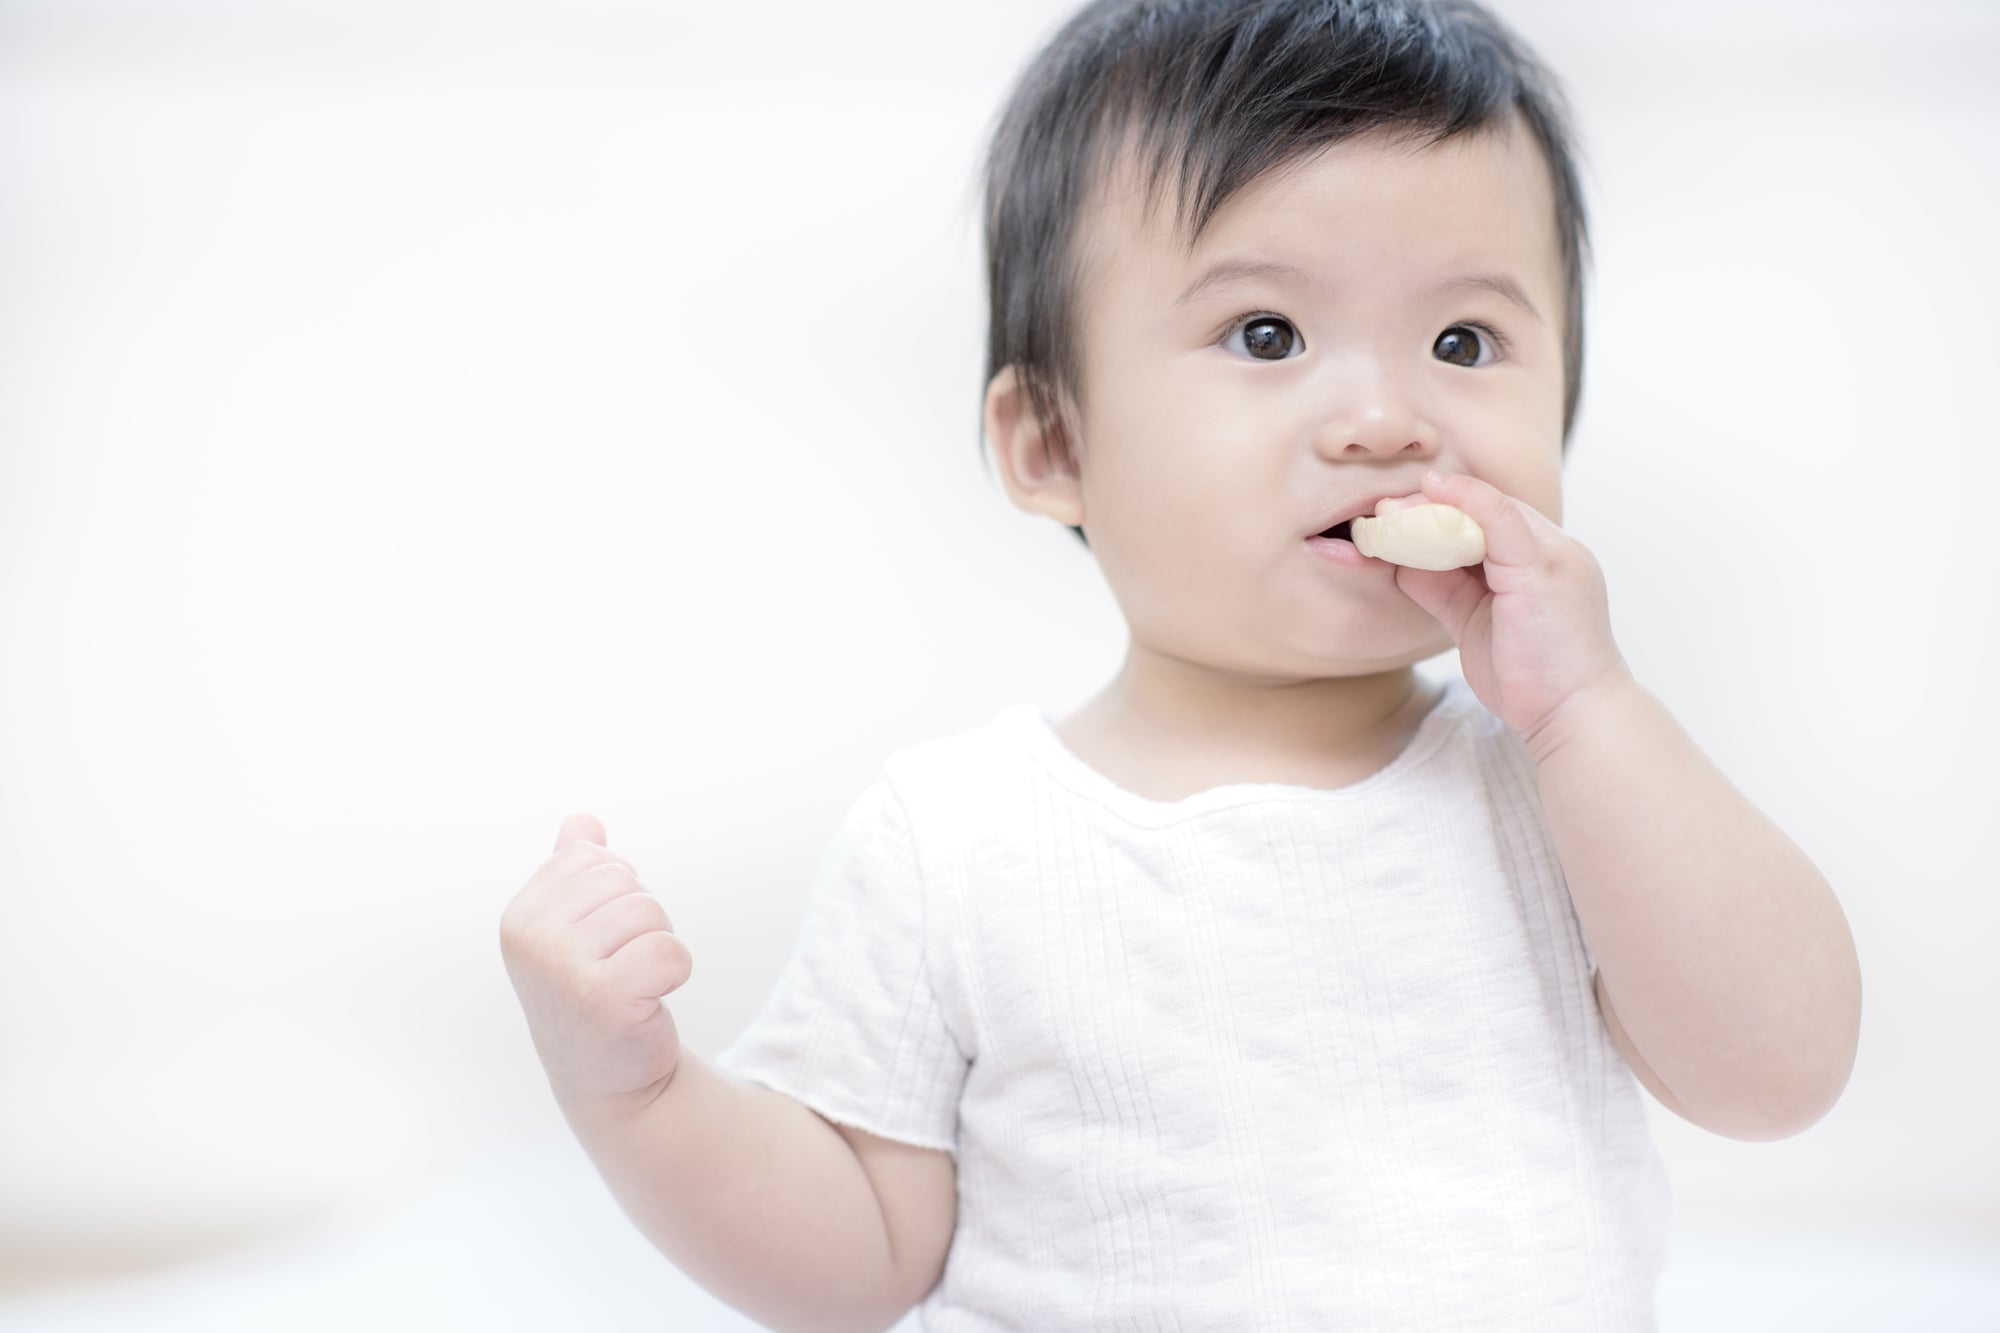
(1427, 536)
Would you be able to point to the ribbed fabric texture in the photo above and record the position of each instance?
(1270, 1057)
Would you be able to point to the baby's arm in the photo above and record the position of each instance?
(799, 1223)
(1737, 989)
(1732, 966)
(771, 1207)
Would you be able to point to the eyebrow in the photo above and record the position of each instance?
(1235, 270)
(1497, 283)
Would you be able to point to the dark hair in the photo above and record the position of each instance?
(1220, 92)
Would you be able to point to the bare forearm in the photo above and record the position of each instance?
(752, 1195)
(1723, 950)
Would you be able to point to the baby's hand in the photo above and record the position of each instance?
(1532, 621)
(592, 955)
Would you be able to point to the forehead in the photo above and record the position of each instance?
(1482, 199)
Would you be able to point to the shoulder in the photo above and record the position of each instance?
(962, 779)
(948, 765)
(966, 751)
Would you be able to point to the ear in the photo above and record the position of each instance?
(1034, 458)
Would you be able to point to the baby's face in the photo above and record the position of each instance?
(1344, 324)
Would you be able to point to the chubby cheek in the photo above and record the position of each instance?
(1151, 574)
(1166, 543)
(1167, 471)
(1542, 489)
(1529, 469)
(1149, 530)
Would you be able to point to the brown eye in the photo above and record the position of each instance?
(1459, 345)
(1268, 338)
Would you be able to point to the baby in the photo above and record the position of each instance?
(1277, 986)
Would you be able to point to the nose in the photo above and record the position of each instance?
(1370, 412)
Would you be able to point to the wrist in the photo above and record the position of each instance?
(583, 1106)
(1611, 693)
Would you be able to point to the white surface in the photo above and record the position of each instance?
(528, 1240)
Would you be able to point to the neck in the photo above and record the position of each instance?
(1200, 709)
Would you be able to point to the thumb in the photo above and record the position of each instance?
(1449, 595)
(580, 828)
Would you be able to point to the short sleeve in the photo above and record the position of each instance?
(1527, 843)
(853, 1028)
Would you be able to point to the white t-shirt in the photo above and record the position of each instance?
(1267, 1057)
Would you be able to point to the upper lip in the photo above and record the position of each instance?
(1365, 505)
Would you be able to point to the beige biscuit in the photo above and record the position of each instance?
(1427, 536)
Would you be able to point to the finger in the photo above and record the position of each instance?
(545, 891)
(617, 923)
(593, 886)
(580, 828)
(653, 965)
(1451, 596)
(1510, 537)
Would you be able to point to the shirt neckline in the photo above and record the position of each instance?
(1069, 769)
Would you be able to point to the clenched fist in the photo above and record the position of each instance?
(592, 955)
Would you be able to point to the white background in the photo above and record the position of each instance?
(419, 421)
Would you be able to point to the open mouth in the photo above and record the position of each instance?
(1342, 530)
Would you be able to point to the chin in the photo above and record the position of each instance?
(1384, 641)
(1352, 659)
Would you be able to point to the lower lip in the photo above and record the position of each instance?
(1341, 551)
